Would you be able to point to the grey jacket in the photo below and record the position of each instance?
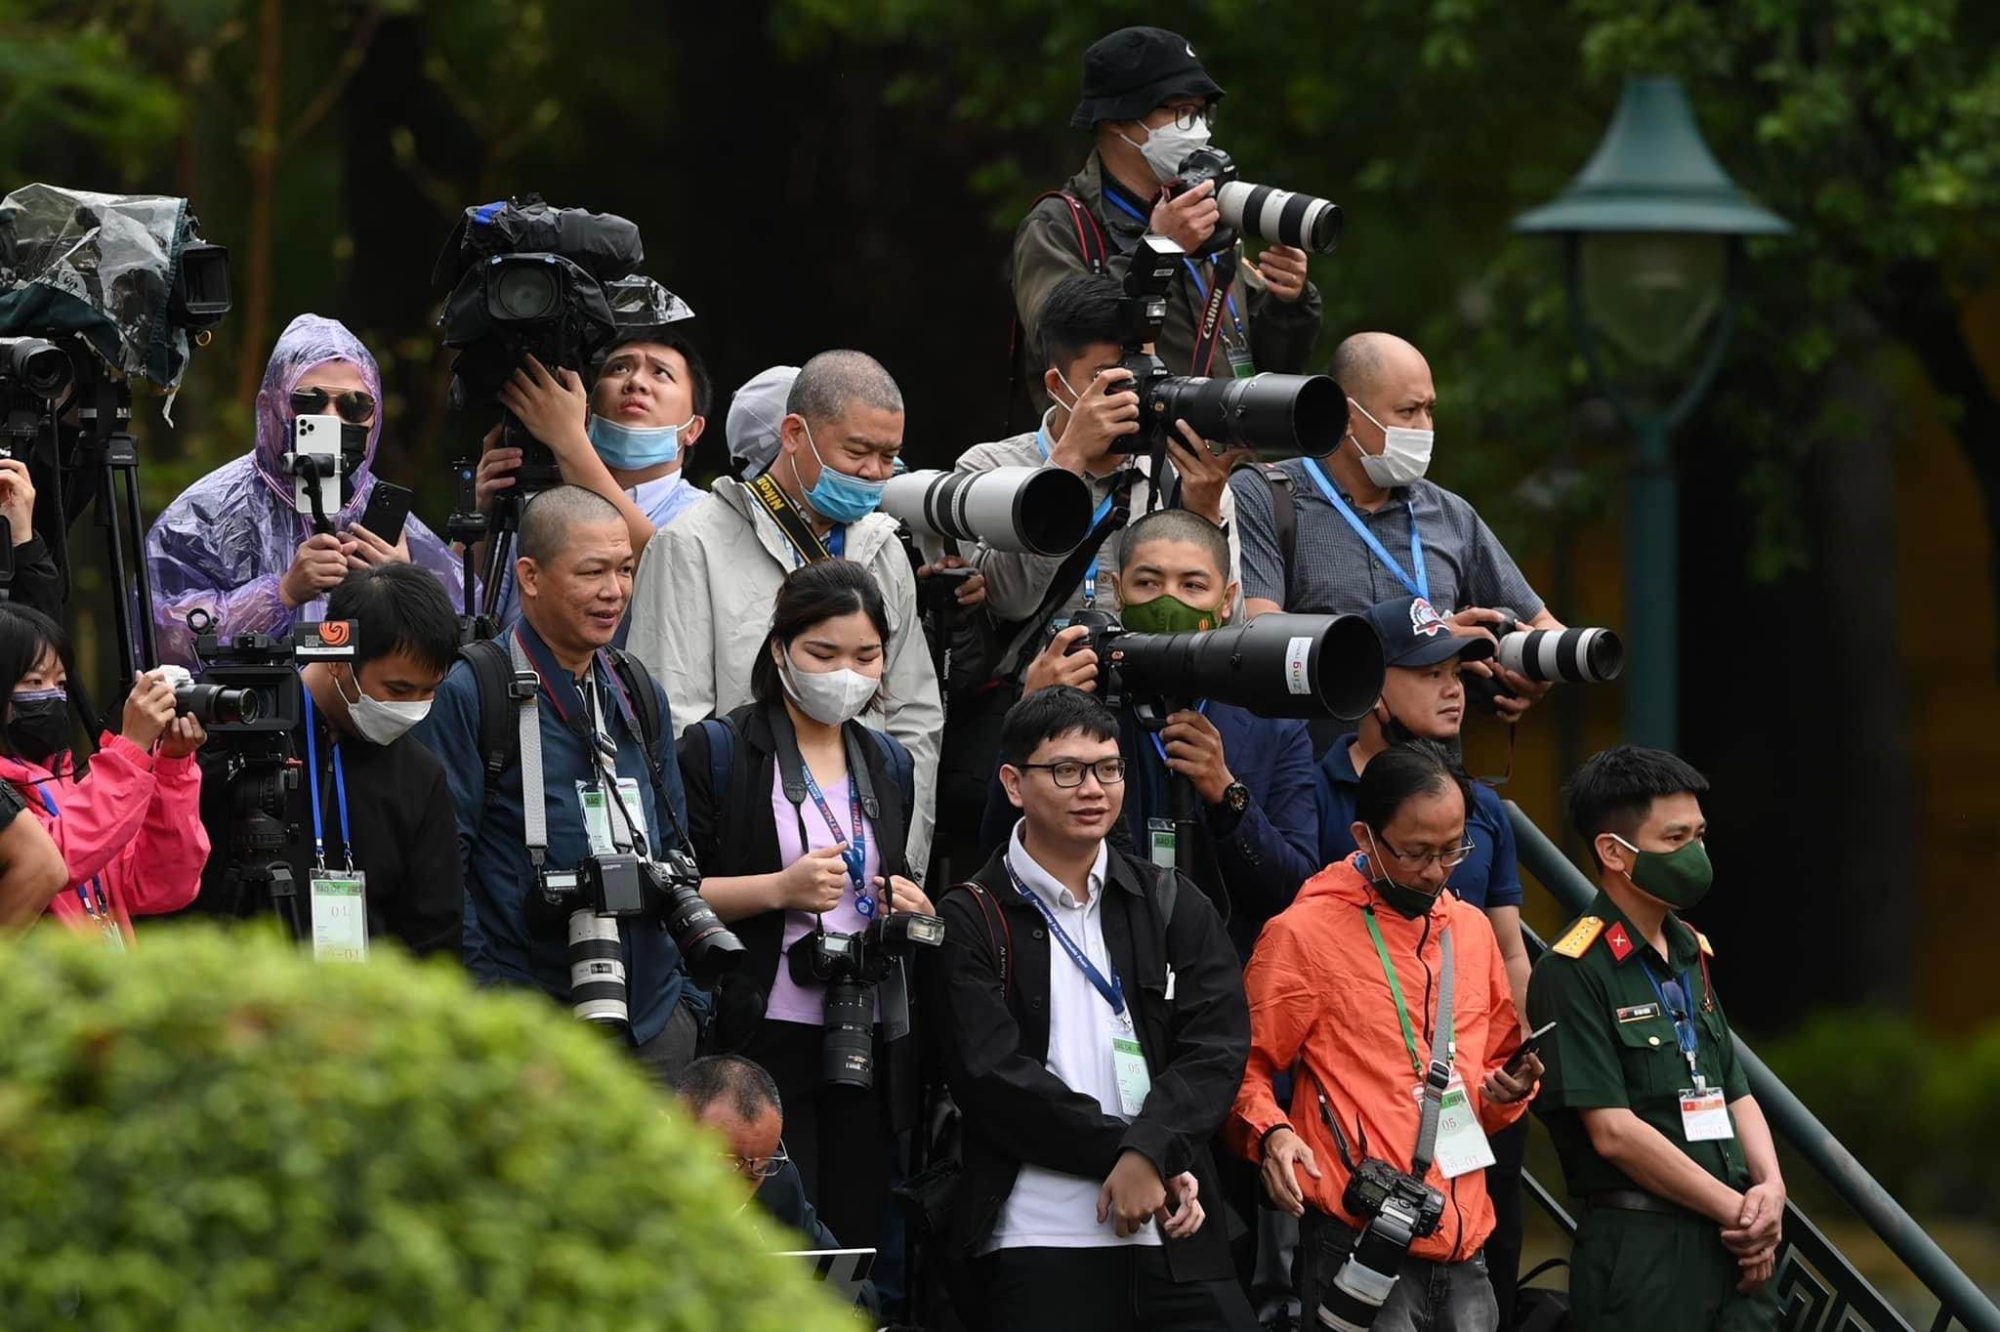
(701, 611)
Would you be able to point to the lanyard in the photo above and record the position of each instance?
(836, 542)
(1113, 990)
(95, 901)
(339, 790)
(856, 854)
(1193, 271)
(1685, 1030)
(1090, 574)
(1421, 585)
(1402, 1010)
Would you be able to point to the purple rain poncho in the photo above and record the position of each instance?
(225, 543)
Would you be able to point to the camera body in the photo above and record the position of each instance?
(850, 966)
(1279, 216)
(1401, 1209)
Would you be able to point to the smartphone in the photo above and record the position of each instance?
(319, 436)
(388, 509)
(1528, 1047)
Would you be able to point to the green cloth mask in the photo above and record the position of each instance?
(1165, 614)
(1680, 878)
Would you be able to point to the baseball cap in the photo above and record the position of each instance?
(755, 413)
(1414, 634)
(1134, 70)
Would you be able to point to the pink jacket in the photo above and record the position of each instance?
(133, 822)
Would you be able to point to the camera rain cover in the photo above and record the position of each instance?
(100, 265)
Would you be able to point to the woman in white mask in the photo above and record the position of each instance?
(798, 812)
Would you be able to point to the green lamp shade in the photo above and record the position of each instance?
(1652, 293)
(1652, 172)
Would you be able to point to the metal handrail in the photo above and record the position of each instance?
(1957, 1294)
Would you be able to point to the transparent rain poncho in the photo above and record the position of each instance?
(224, 544)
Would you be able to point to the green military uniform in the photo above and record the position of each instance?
(1617, 1045)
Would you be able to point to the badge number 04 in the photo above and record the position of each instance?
(339, 917)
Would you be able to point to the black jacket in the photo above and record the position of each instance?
(994, 1040)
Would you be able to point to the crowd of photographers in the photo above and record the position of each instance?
(1057, 875)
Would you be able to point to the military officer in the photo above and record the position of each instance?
(1660, 1140)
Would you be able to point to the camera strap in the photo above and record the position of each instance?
(1420, 585)
(790, 521)
(1208, 332)
(534, 816)
(1069, 574)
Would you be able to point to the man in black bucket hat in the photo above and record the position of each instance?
(1148, 103)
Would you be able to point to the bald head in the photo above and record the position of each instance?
(550, 518)
(1363, 359)
(1390, 380)
(832, 380)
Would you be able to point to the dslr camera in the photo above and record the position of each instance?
(850, 966)
(1278, 415)
(1264, 211)
(1572, 656)
(1401, 1209)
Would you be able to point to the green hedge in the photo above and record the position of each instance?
(212, 1133)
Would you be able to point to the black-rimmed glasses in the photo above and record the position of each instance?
(1451, 859)
(1069, 773)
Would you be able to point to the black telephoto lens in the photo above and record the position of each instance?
(847, 1056)
(37, 364)
(1274, 414)
(1278, 665)
(708, 947)
(213, 705)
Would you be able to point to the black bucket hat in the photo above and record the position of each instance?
(1134, 70)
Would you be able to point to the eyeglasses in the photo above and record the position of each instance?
(356, 406)
(1068, 773)
(767, 1167)
(1451, 859)
(1187, 117)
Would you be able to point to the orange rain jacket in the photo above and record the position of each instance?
(1320, 1004)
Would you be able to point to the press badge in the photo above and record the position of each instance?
(1133, 1080)
(1240, 364)
(1461, 1143)
(597, 825)
(1163, 837)
(1705, 1115)
(339, 916)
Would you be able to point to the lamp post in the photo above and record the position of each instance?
(1651, 231)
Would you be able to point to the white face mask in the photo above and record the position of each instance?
(832, 698)
(379, 722)
(1405, 455)
(1168, 146)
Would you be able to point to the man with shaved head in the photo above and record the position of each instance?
(1340, 533)
(702, 609)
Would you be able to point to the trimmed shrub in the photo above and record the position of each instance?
(212, 1133)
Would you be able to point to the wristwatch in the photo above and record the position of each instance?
(1235, 798)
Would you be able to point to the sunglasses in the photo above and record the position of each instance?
(356, 406)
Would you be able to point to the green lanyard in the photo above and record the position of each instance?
(1402, 1009)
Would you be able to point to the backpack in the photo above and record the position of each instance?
(1539, 1308)
(1284, 516)
(722, 742)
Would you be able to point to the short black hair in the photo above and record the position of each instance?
(712, 1077)
(1048, 713)
(1081, 313)
(547, 518)
(811, 594)
(1399, 774)
(26, 636)
(398, 608)
(832, 379)
(699, 381)
(1613, 792)
(1176, 525)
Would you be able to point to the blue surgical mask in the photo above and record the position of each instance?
(635, 447)
(838, 497)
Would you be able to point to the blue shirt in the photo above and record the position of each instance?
(499, 948)
(1490, 876)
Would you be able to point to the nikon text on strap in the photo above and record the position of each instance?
(790, 521)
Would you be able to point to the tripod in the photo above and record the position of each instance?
(469, 527)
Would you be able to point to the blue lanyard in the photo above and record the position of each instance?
(95, 901)
(856, 854)
(1090, 574)
(1112, 990)
(1421, 586)
(339, 790)
(1193, 272)
(1685, 1030)
(836, 542)
(1160, 745)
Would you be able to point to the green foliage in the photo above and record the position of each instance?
(213, 1133)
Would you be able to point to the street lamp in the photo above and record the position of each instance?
(1651, 232)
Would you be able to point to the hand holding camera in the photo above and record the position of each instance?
(1107, 409)
(1283, 268)
(1194, 750)
(17, 499)
(149, 709)
(553, 405)
(319, 564)
(1204, 473)
(1062, 662)
(815, 881)
(1189, 218)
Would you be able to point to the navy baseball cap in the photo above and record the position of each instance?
(1414, 635)
(1134, 70)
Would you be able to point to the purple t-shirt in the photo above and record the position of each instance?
(790, 1003)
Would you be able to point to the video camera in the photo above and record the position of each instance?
(1278, 415)
(1277, 665)
(1269, 213)
(1401, 1209)
(850, 966)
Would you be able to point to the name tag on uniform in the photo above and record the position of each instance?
(339, 916)
(1163, 835)
(1638, 1012)
(1133, 1080)
(1705, 1115)
(1461, 1142)
(597, 816)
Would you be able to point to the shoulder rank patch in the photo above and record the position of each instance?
(1580, 937)
(1619, 941)
(1707, 949)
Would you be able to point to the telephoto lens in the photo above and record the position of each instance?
(1036, 510)
(1572, 656)
(1277, 665)
(1280, 216)
(214, 705)
(37, 364)
(708, 947)
(847, 1053)
(1277, 415)
(597, 990)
